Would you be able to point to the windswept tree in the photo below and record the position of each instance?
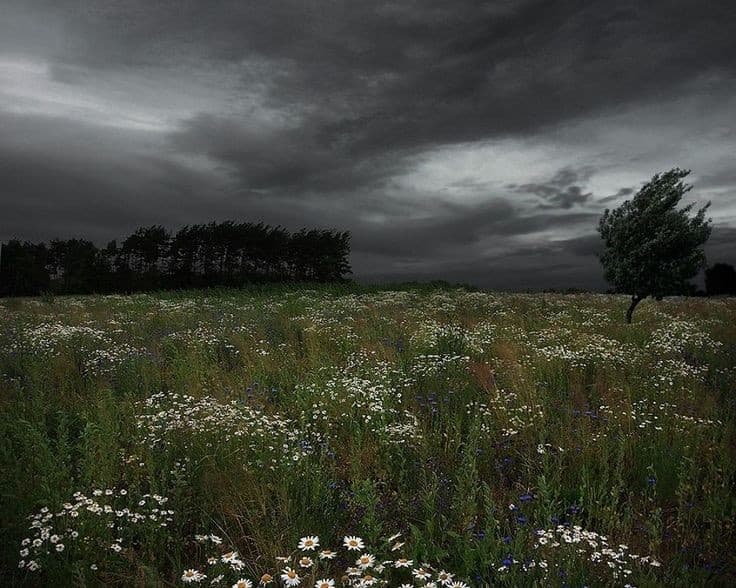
(652, 248)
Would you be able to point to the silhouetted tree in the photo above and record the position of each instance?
(76, 265)
(651, 247)
(23, 269)
(720, 279)
(183, 257)
(299, 252)
(276, 253)
(146, 252)
(225, 253)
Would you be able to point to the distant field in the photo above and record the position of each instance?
(511, 439)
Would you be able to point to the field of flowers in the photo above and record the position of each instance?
(348, 436)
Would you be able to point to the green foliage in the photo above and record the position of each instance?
(652, 248)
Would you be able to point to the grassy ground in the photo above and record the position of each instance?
(520, 440)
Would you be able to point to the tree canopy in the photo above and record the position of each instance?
(652, 247)
(214, 254)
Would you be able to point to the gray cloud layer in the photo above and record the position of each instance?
(461, 140)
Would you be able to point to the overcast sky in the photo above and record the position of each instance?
(461, 140)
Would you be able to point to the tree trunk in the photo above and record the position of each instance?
(635, 299)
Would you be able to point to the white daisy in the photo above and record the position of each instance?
(290, 577)
(230, 556)
(365, 561)
(353, 543)
(444, 577)
(192, 576)
(308, 543)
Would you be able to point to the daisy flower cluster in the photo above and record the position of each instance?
(580, 350)
(658, 416)
(102, 361)
(487, 303)
(435, 335)
(404, 433)
(107, 522)
(171, 306)
(313, 565)
(505, 412)
(366, 394)
(203, 335)
(101, 353)
(270, 439)
(434, 364)
(669, 373)
(617, 559)
(679, 336)
(48, 338)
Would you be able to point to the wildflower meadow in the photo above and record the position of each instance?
(342, 435)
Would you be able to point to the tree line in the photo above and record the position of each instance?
(196, 256)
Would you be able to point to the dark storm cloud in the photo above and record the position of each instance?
(560, 191)
(104, 183)
(561, 264)
(287, 160)
(408, 76)
(458, 229)
(721, 247)
(359, 115)
(622, 193)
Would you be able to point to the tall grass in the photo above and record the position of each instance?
(515, 439)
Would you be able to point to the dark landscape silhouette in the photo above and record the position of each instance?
(196, 256)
